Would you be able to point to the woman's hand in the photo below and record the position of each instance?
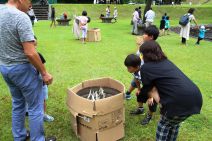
(150, 101)
(138, 92)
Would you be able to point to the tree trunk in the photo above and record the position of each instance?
(148, 6)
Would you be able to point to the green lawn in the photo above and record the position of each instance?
(71, 62)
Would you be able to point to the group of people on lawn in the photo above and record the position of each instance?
(157, 79)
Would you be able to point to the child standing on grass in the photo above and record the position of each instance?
(162, 25)
(167, 25)
(84, 25)
(46, 117)
(201, 36)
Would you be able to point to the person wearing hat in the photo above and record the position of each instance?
(201, 36)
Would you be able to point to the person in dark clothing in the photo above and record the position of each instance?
(139, 12)
(178, 96)
(162, 25)
(53, 17)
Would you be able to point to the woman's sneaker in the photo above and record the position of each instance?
(138, 111)
(48, 118)
(146, 120)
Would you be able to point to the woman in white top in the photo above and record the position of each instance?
(185, 30)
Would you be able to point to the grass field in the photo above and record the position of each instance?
(125, 11)
(71, 62)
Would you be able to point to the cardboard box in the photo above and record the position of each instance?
(101, 119)
(94, 35)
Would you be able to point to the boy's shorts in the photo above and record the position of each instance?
(133, 84)
(45, 92)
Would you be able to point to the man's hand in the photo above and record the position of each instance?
(47, 78)
(150, 101)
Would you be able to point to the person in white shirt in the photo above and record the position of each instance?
(108, 11)
(135, 22)
(84, 25)
(115, 14)
(150, 15)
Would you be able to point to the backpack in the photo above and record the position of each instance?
(184, 20)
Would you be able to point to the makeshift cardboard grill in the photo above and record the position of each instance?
(97, 109)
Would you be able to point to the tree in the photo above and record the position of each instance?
(148, 6)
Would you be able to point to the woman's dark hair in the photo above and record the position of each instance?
(167, 18)
(132, 60)
(89, 19)
(84, 13)
(152, 31)
(152, 52)
(136, 9)
(191, 10)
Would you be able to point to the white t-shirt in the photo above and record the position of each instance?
(150, 15)
(107, 10)
(83, 21)
(135, 16)
(115, 14)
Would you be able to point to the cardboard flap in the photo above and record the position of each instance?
(100, 82)
(112, 134)
(116, 85)
(80, 105)
(74, 124)
(109, 104)
(85, 134)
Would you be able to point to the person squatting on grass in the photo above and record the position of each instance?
(150, 33)
(178, 97)
(19, 63)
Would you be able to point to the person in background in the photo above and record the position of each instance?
(84, 25)
(185, 30)
(53, 17)
(150, 15)
(139, 12)
(201, 36)
(167, 25)
(115, 14)
(162, 26)
(135, 22)
(108, 11)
